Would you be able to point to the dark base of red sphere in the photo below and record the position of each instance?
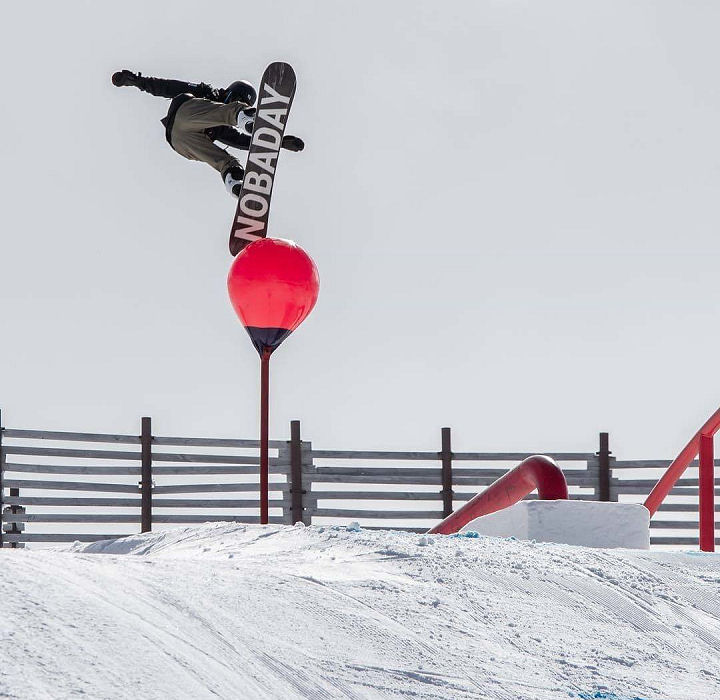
(267, 338)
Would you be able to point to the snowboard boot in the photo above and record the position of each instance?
(233, 179)
(124, 78)
(293, 143)
(246, 119)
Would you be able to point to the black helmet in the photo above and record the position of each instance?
(241, 91)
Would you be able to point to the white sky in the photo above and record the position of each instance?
(513, 207)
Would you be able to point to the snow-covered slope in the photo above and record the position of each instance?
(228, 611)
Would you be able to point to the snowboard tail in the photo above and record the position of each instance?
(277, 91)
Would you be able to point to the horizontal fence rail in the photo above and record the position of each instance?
(109, 485)
(58, 486)
(354, 485)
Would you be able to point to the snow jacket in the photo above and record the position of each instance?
(179, 92)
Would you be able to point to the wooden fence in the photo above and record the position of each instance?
(63, 487)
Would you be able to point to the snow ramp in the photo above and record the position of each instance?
(234, 611)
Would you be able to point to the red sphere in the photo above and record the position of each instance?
(273, 286)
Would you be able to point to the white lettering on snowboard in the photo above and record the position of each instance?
(258, 183)
(274, 117)
(260, 170)
(248, 233)
(273, 96)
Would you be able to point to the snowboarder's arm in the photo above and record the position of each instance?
(240, 137)
(230, 136)
(162, 87)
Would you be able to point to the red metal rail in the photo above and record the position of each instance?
(702, 444)
(537, 472)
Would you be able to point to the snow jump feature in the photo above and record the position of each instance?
(536, 472)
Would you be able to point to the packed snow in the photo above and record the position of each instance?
(232, 611)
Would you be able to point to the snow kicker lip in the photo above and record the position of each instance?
(276, 96)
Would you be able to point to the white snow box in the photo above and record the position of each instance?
(586, 523)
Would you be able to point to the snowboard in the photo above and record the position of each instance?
(275, 97)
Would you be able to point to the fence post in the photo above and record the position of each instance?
(2, 469)
(307, 470)
(15, 510)
(447, 481)
(604, 467)
(297, 492)
(146, 476)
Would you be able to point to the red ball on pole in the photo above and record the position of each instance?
(273, 286)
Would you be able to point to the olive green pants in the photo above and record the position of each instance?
(188, 131)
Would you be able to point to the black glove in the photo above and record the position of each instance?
(125, 78)
(208, 92)
(293, 143)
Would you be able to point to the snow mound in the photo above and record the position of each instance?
(232, 611)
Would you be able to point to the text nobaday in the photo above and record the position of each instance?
(258, 183)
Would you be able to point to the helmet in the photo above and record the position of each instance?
(241, 91)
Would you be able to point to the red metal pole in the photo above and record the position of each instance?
(264, 433)
(680, 464)
(706, 482)
(536, 472)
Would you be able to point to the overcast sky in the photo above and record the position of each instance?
(513, 207)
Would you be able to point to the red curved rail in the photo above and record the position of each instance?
(701, 444)
(537, 472)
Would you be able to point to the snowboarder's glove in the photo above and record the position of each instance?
(124, 78)
(208, 92)
(293, 143)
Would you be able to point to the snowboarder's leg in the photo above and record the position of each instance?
(198, 114)
(198, 146)
(189, 137)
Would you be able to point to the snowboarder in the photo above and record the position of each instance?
(199, 115)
